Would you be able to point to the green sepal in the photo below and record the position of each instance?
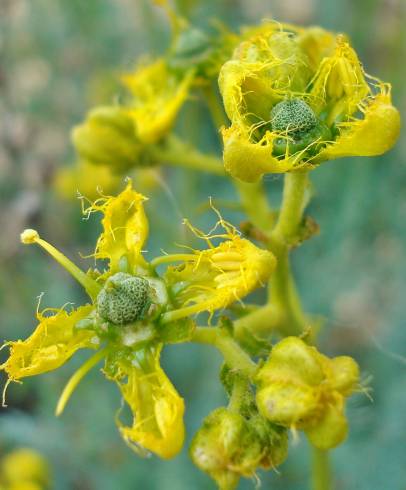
(176, 332)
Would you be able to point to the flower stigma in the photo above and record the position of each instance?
(298, 126)
(123, 299)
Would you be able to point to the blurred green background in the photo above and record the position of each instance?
(60, 57)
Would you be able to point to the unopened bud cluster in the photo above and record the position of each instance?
(229, 445)
(300, 388)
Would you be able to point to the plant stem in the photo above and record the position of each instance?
(282, 291)
(321, 472)
(238, 394)
(255, 204)
(175, 152)
(233, 355)
(294, 201)
(262, 322)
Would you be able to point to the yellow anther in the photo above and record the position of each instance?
(29, 236)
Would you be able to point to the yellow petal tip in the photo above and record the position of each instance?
(29, 236)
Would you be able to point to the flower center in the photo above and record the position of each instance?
(123, 299)
(292, 116)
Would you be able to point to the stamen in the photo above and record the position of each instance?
(92, 288)
(76, 379)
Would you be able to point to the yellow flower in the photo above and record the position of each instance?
(23, 469)
(212, 279)
(301, 388)
(158, 95)
(133, 310)
(297, 97)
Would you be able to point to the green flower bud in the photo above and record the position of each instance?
(345, 374)
(299, 387)
(123, 299)
(330, 430)
(287, 402)
(274, 441)
(226, 447)
(191, 48)
(107, 137)
(229, 446)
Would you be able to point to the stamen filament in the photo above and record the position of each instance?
(172, 258)
(92, 287)
(170, 316)
(76, 379)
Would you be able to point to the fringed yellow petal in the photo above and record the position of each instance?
(317, 44)
(373, 135)
(52, 343)
(214, 278)
(248, 161)
(156, 405)
(158, 94)
(125, 228)
(339, 85)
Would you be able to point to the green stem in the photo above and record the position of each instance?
(238, 394)
(282, 292)
(321, 472)
(262, 322)
(255, 204)
(234, 356)
(294, 201)
(175, 152)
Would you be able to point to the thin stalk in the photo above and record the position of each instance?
(92, 287)
(77, 377)
(233, 354)
(238, 394)
(175, 152)
(321, 471)
(261, 322)
(282, 290)
(294, 201)
(255, 203)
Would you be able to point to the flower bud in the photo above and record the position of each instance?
(107, 137)
(299, 387)
(123, 299)
(25, 468)
(226, 448)
(229, 446)
(191, 48)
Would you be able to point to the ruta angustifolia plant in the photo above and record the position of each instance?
(295, 98)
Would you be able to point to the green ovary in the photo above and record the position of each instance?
(298, 126)
(123, 299)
